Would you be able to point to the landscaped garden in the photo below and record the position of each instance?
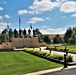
(19, 62)
(70, 48)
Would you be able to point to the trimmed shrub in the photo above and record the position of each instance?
(69, 58)
(48, 55)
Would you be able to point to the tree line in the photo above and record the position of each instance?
(7, 34)
(69, 37)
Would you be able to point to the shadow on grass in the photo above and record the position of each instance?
(9, 50)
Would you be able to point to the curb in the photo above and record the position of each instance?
(50, 70)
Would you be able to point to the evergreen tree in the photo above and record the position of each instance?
(15, 33)
(24, 32)
(20, 33)
(46, 39)
(57, 39)
(68, 35)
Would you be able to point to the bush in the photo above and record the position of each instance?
(49, 55)
(69, 58)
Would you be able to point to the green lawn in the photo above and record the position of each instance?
(72, 48)
(18, 63)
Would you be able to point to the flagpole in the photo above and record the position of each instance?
(8, 30)
(19, 25)
(19, 22)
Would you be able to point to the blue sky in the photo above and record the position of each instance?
(50, 16)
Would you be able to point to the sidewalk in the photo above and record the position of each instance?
(48, 72)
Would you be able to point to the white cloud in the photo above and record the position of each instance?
(21, 12)
(35, 19)
(45, 27)
(43, 5)
(1, 17)
(64, 17)
(40, 6)
(62, 0)
(1, 8)
(7, 16)
(53, 31)
(4, 2)
(74, 15)
(3, 25)
(47, 18)
(68, 7)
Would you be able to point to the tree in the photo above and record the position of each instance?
(10, 33)
(4, 37)
(57, 39)
(38, 34)
(5, 31)
(20, 33)
(34, 32)
(46, 39)
(24, 32)
(74, 30)
(15, 33)
(29, 31)
(68, 35)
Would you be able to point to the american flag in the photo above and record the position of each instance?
(7, 26)
(30, 25)
(19, 22)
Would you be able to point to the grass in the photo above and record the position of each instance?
(71, 48)
(18, 63)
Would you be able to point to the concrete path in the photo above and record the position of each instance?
(71, 70)
(62, 72)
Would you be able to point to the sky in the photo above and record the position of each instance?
(49, 16)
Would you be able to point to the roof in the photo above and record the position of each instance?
(53, 35)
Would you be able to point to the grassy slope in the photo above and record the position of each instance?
(71, 48)
(17, 63)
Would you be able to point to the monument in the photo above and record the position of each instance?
(31, 40)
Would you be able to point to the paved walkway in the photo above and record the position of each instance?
(62, 72)
(71, 70)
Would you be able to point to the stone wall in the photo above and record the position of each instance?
(25, 42)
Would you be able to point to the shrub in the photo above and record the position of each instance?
(48, 55)
(69, 58)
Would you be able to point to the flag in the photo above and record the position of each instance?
(7, 26)
(30, 26)
(19, 23)
(19, 20)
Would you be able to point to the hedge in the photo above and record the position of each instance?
(47, 55)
